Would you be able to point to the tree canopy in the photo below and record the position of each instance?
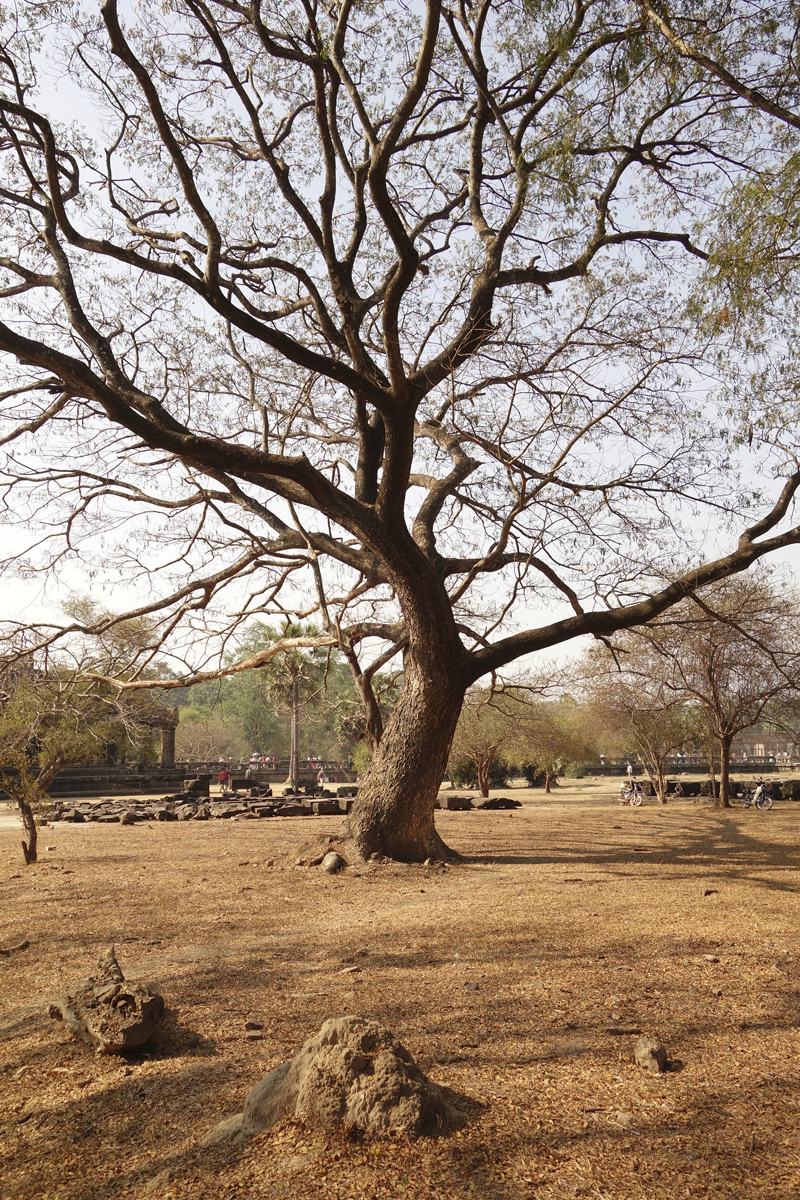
(380, 315)
(50, 720)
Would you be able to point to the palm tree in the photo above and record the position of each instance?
(291, 680)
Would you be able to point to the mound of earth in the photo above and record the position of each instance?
(355, 1073)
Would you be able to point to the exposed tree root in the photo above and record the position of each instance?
(311, 853)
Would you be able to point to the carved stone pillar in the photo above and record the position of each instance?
(168, 746)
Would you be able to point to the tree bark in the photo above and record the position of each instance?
(546, 780)
(724, 800)
(394, 811)
(393, 815)
(29, 825)
(661, 785)
(711, 769)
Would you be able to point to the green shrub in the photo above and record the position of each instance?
(534, 776)
(499, 776)
(573, 770)
(462, 772)
(362, 757)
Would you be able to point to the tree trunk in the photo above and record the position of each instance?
(393, 813)
(546, 780)
(484, 766)
(293, 778)
(661, 785)
(657, 782)
(724, 800)
(29, 825)
(711, 769)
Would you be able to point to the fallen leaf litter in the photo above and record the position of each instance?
(557, 1107)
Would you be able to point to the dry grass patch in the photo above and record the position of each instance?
(502, 976)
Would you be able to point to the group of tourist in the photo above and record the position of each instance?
(263, 762)
(266, 762)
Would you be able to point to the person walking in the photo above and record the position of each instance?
(224, 778)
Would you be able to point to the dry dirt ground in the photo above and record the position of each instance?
(503, 976)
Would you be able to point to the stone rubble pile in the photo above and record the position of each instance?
(465, 803)
(130, 812)
(195, 803)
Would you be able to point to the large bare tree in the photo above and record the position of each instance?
(372, 313)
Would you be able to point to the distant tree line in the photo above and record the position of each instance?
(691, 681)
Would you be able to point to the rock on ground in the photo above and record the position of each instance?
(332, 863)
(650, 1054)
(355, 1073)
(109, 1012)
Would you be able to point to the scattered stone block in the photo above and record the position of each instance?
(222, 809)
(324, 807)
(292, 810)
(199, 786)
(499, 802)
(456, 803)
(684, 787)
(109, 1012)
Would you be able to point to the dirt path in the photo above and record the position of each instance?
(502, 976)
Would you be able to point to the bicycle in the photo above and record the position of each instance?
(631, 793)
(759, 796)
